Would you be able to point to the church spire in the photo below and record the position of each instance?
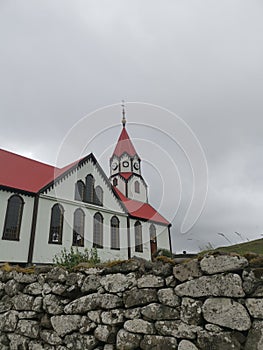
(123, 114)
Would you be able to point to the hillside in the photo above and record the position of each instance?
(255, 246)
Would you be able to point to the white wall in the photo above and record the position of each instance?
(162, 235)
(142, 196)
(16, 251)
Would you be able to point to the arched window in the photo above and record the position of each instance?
(98, 195)
(153, 233)
(115, 182)
(98, 231)
(138, 237)
(78, 228)
(13, 218)
(115, 234)
(137, 186)
(89, 189)
(79, 191)
(56, 224)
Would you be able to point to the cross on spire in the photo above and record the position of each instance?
(123, 114)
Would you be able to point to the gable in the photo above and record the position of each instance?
(63, 187)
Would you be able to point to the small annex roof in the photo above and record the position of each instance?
(124, 145)
(140, 210)
(126, 175)
(27, 174)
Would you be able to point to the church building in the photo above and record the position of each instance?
(44, 208)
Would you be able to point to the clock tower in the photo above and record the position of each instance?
(125, 168)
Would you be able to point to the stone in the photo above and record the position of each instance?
(52, 305)
(177, 329)
(106, 334)
(25, 277)
(191, 311)
(139, 326)
(160, 312)
(187, 270)
(222, 263)
(158, 342)
(17, 342)
(37, 304)
(33, 289)
(150, 281)
(23, 302)
(168, 297)
(255, 307)
(133, 313)
(221, 285)
(118, 282)
(82, 305)
(57, 274)
(123, 267)
(28, 328)
(95, 316)
(80, 342)
(213, 328)
(112, 317)
(74, 278)
(227, 313)
(50, 337)
(186, 345)
(12, 287)
(27, 315)
(87, 326)
(36, 345)
(5, 304)
(137, 297)
(170, 281)
(252, 280)
(66, 324)
(255, 336)
(58, 289)
(91, 284)
(8, 321)
(159, 268)
(109, 301)
(217, 341)
(127, 340)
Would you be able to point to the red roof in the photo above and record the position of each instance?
(140, 210)
(124, 145)
(26, 174)
(127, 175)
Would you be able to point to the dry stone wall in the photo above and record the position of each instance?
(212, 303)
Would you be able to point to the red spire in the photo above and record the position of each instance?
(124, 145)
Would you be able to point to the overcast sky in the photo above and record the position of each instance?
(198, 60)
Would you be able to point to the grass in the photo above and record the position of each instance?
(255, 246)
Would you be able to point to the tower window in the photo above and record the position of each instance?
(115, 182)
(138, 237)
(98, 231)
(13, 218)
(115, 234)
(98, 195)
(89, 189)
(78, 228)
(56, 224)
(137, 186)
(79, 191)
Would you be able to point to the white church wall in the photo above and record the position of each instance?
(162, 235)
(121, 186)
(16, 251)
(44, 252)
(142, 195)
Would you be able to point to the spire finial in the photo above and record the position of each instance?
(123, 113)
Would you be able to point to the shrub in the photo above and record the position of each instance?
(73, 257)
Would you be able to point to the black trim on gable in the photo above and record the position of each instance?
(17, 190)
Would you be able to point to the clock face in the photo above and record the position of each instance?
(114, 166)
(125, 164)
(136, 166)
